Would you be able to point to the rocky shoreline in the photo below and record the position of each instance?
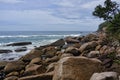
(90, 57)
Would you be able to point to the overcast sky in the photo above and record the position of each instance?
(48, 15)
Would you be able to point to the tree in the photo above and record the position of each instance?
(109, 12)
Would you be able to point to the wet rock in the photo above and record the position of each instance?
(19, 44)
(14, 66)
(105, 76)
(45, 76)
(76, 68)
(31, 55)
(21, 49)
(11, 59)
(5, 51)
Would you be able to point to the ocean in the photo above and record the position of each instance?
(38, 38)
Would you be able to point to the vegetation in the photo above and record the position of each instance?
(110, 12)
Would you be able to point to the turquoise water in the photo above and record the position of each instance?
(37, 38)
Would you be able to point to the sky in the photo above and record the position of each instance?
(49, 15)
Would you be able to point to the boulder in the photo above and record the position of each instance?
(45, 76)
(3, 64)
(5, 51)
(83, 47)
(49, 51)
(89, 37)
(71, 40)
(98, 47)
(31, 55)
(59, 53)
(109, 50)
(12, 74)
(76, 68)
(77, 45)
(59, 42)
(21, 49)
(88, 46)
(19, 44)
(36, 61)
(105, 76)
(93, 54)
(51, 60)
(14, 66)
(107, 62)
(115, 67)
(66, 55)
(2, 75)
(11, 78)
(51, 67)
(118, 50)
(102, 50)
(73, 51)
(34, 69)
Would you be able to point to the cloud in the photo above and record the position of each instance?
(38, 19)
(91, 4)
(11, 1)
(48, 14)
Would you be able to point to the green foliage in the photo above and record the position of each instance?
(114, 30)
(113, 57)
(111, 14)
(102, 25)
(108, 11)
(117, 61)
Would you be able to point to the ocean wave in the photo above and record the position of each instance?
(26, 36)
(18, 36)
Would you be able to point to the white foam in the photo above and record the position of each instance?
(26, 36)
(19, 36)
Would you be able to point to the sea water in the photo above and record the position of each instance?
(38, 38)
